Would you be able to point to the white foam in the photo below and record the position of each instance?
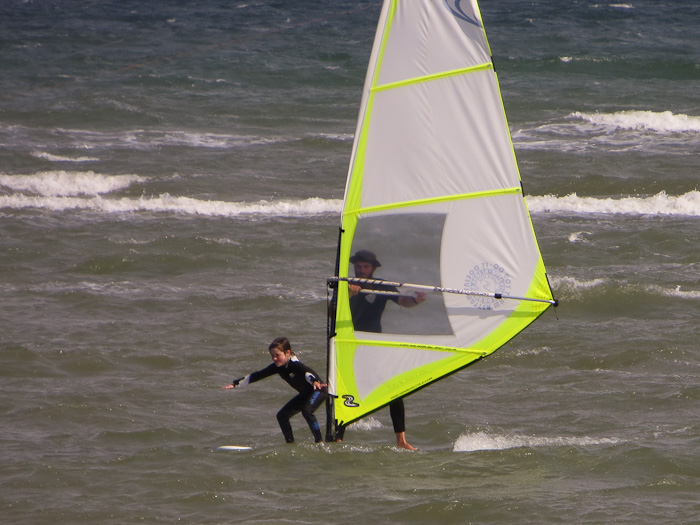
(579, 237)
(166, 203)
(687, 204)
(676, 292)
(533, 351)
(148, 139)
(616, 132)
(342, 137)
(572, 283)
(59, 191)
(203, 140)
(368, 423)
(664, 121)
(484, 441)
(67, 183)
(612, 6)
(573, 287)
(62, 158)
(56, 190)
(570, 288)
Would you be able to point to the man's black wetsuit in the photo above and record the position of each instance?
(301, 378)
(367, 309)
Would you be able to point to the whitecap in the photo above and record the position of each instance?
(571, 283)
(67, 183)
(533, 351)
(368, 423)
(676, 292)
(664, 121)
(166, 203)
(687, 204)
(62, 158)
(579, 237)
(483, 441)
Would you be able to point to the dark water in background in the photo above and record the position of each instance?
(170, 182)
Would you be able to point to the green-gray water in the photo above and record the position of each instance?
(170, 182)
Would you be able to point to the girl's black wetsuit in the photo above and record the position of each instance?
(301, 378)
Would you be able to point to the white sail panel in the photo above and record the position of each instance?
(427, 38)
(479, 244)
(375, 365)
(416, 149)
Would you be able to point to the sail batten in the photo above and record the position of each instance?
(434, 193)
(435, 76)
(442, 198)
(428, 347)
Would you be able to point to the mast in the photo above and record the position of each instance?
(330, 334)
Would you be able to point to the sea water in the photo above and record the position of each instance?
(171, 175)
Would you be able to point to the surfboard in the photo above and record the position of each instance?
(233, 448)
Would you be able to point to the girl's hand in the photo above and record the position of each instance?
(227, 387)
(318, 385)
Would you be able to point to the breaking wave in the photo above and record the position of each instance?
(484, 441)
(687, 204)
(72, 190)
(662, 122)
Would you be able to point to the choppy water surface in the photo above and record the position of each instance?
(170, 183)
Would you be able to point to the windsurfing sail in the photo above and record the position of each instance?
(434, 198)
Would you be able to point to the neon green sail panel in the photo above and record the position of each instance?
(434, 193)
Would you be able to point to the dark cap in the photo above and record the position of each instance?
(365, 256)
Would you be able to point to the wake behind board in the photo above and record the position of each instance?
(233, 448)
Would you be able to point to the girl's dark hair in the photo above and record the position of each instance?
(281, 343)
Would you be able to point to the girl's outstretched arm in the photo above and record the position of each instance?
(245, 380)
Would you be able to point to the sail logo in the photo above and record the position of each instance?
(486, 280)
(454, 7)
(350, 401)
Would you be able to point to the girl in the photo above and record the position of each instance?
(301, 378)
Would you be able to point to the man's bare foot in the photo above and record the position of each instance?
(402, 443)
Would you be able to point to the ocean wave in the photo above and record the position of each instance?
(676, 293)
(66, 184)
(663, 122)
(166, 203)
(612, 6)
(484, 441)
(579, 237)
(618, 132)
(687, 204)
(340, 137)
(59, 191)
(569, 289)
(368, 423)
(61, 158)
(141, 139)
(571, 283)
(533, 351)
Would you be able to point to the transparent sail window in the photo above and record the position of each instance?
(407, 246)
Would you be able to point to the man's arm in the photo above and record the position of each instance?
(409, 301)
